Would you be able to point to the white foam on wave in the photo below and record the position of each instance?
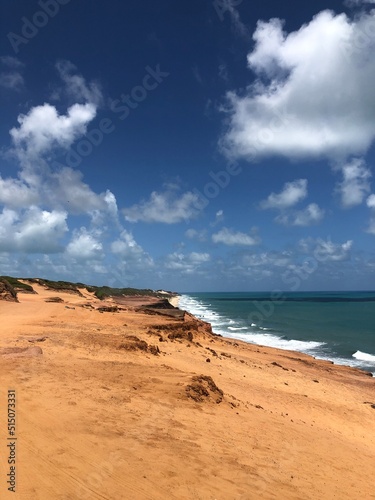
(269, 340)
(363, 356)
(254, 335)
(353, 363)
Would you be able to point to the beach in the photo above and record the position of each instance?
(132, 403)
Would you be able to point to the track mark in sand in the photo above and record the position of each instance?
(21, 352)
(80, 478)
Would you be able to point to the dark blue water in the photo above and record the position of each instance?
(339, 326)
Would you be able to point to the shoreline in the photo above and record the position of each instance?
(175, 301)
(333, 360)
(291, 351)
(149, 406)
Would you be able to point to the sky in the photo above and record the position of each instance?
(223, 145)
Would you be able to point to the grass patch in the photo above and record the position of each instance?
(18, 285)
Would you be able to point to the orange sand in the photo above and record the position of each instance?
(98, 421)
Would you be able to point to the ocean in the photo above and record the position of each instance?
(336, 326)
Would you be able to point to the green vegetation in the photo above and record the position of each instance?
(7, 292)
(101, 292)
(17, 285)
(59, 285)
(105, 291)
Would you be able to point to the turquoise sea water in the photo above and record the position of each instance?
(339, 326)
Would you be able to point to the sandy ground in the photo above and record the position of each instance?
(98, 420)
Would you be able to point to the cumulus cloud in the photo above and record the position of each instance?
(84, 245)
(234, 238)
(66, 188)
(15, 193)
(313, 91)
(60, 190)
(127, 248)
(43, 129)
(32, 231)
(326, 250)
(37, 203)
(312, 214)
(292, 193)
(356, 183)
(167, 207)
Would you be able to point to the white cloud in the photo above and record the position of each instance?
(11, 62)
(54, 194)
(194, 234)
(33, 231)
(326, 250)
(370, 202)
(186, 263)
(84, 245)
(66, 188)
(219, 217)
(232, 238)
(127, 248)
(352, 3)
(371, 226)
(292, 193)
(229, 6)
(356, 183)
(14, 193)
(312, 214)
(11, 80)
(166, 207)
(43, 129)
(40, 132)
(313, 94)
(76, 86)
(266, 259)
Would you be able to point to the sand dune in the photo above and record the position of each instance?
(130, 405)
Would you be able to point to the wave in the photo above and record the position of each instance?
(236, 329)
(363, 356)
(279, 342)
(260, 335)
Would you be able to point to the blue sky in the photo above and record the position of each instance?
(202, 145)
